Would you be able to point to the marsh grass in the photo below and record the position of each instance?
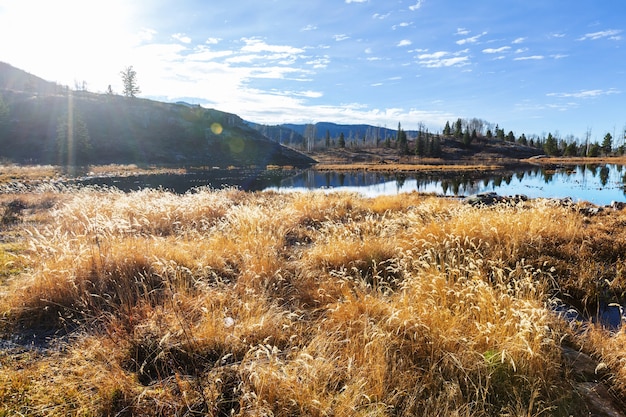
(231, 303)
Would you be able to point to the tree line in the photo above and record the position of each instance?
(467, 133)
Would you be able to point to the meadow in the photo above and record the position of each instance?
(223, 302)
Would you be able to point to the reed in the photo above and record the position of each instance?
(232, 303)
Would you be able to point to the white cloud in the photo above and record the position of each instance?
(204, 54)
(529, 58)
(380, 16)
(443, 59)
(308, 28)
(559, 56)
(518, 41)
(472, 39)
(307, 94)
(610, 34)
(585, 93)
(145, 35)
(258, 45)
(355, 1)
(417, 5)
(401, 25)
(319, 62)
(404, 42)
(521, 50)
(496, 50)
(341, 37)
(181, 37)
(212, 41)
(462, 32)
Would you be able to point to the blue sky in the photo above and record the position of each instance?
(533, 66)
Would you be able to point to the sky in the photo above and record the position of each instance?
(531, 66)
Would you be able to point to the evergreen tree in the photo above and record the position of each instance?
(522, 140)
(489, 134)
(436, 147)
(327, 139)
(607, 144)
(550, 147)
(420, 146)
(510, 137)
(571, 149)
(129, 80)
(403, 144)
(342, 141)
(458, 128)
(446, 129)
(467, 138)
(500, 134)
(594, 150)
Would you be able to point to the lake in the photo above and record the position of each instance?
(598, 183)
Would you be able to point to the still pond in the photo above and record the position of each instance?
(599, 184)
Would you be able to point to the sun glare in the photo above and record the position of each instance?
(76, 39)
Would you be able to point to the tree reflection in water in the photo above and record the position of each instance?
(597, 183)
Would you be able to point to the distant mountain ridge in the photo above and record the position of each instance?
(295, 134)
(107, 128)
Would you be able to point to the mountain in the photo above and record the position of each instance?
(295, 134)
(39, 117)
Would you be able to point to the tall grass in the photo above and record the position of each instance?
(232, 303)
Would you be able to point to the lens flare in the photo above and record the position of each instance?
(217, 128)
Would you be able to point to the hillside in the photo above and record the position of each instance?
(366, 143)
(116, 129)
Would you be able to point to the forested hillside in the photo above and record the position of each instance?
(42, 122)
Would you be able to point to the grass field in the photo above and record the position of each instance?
(306, 304)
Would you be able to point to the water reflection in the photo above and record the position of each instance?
(597, 183)
(245, 179)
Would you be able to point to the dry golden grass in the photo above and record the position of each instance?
(11, 173)
(232, 303)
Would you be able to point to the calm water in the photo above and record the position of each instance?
(599, 184)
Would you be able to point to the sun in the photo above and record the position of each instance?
(67, 41)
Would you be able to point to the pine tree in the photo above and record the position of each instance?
(458, 128)
(129, 80)
(403, 144)
(550, 147)
(420, 146)
(467, 138)
(594, 150)
(342, 141)
(510, 137)
(607, 144)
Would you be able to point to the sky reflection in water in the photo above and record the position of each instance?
(599, 184)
